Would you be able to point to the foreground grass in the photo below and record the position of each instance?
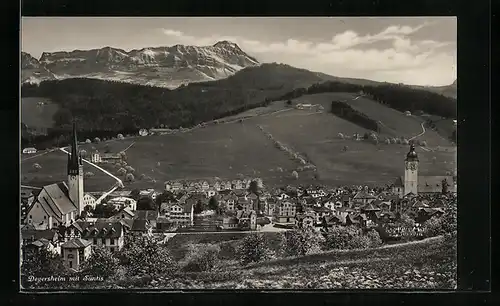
(426, 264)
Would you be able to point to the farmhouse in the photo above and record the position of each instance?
(97, 158)
(29, 150)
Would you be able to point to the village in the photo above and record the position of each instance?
(64, 219)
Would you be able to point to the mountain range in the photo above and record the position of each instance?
(168, 67)
(159, 66)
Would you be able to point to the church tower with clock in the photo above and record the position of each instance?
(411, 172)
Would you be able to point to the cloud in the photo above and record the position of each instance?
(348, 54)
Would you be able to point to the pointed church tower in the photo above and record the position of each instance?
(75, 173)
(411, 172)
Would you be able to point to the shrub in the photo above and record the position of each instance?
(295, 175)
(88, 141)
(121, 171)
(300, 242)
(253, 248)
(375, 239)
(37, 166)
(89, 174)
(405, 141)
(340, 237)
(83, 153)
(202, 257)
(120, 137)
(387, 141)
(433, 227)
(340, 135)
(129, 169)
(129, 177)
(100, 263)
(359, 242)
(142, 176)
(97, 140)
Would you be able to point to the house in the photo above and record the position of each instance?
(177, 186)
(180, 213)
(141, 227)
(30, 234)
(364, 197)
(211, 192)
(42, 243)
(230, 222)
(230, 202)
(285, 212)
(149, 215)
(103, 233)
(74, 252)
(52, 207)
(29, 151)
(247, 220)
(237, 184)
(304, 221)
(89, 200)
(124, 213)
(269, 207)
(165, 224)
(218, 186)
(245, 203)
(333, 220)
(319, 213)
(97, 157)
(122, 202)
(204, 186)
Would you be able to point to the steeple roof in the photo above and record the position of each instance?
(412, 155)
(74, 161)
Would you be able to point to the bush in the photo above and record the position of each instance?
(340, 135)
(89, 174)
(129, 169)
(360, 242)
(375, 239)
(88, 141)
(300, 242)
(121, 171)
(202, 257)
(433, 227)
(142, 176)
(97, 140)
(253, 248)
(340, 237)
(100, 263)
(129, 177)
(295, 175)
(83, 153)
(37, 166)
(387, 141)
(120, 137)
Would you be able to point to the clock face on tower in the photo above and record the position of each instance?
(411, 166)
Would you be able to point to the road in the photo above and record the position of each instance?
(423, 132)
(37, 155)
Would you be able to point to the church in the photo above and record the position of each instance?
(60, 203)
(412, 183)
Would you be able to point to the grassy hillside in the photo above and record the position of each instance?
(54, 170)
(37, 115)
(426, 264)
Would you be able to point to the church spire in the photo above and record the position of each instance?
(74, 160)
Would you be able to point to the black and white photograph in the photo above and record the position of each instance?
(269, 153)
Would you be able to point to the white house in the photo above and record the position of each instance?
(285, 212)
(74, 252)
(29, 150)
(89, 199)
(122, 202)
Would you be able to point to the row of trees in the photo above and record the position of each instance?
(345, 111)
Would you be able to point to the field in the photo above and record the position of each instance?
(35, 115)
(239, 149)
(54, 170)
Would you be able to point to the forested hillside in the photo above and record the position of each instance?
(399, 97)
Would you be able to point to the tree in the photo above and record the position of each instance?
(129, 177)
(104, 211)
(62, 117)
(295, 175)
(83, 153)
(254, 187)
(37, 166)
(40, 263)
(129, 169)
(201, 257)
(300, 242)
(289, 102)
(100, 263)
(121, 171)
(253, 248)
(213, 203)
(146, 203)
(144, 255)
(444, 186)
(340, 135)
(198, 207)
(134, 194)
(97, 140)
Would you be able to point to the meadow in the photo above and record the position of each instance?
(54, 170)
(240, 149)
(36, 115)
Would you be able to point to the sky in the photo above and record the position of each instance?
(410, 50)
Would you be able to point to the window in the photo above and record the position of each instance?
(80, 253)
(44, 217)
(70, 256)
(103, 240)
(112, 249)
(95, 240)
(31, 216)
(71, 264)
(112, 241)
